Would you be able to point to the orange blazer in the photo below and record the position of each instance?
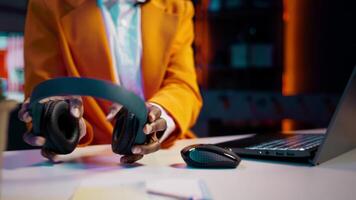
(67, 38)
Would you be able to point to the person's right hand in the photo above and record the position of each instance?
(76, 109)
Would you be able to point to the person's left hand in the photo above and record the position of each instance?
(154, 125)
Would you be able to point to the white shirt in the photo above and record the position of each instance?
(122, 20)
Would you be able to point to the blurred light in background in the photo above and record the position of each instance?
(11, 66)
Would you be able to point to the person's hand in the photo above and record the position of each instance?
(154, 125)
(76, 109)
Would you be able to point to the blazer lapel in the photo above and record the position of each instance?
(84, 30)
(158, 30)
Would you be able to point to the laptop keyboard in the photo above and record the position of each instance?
(298, 143)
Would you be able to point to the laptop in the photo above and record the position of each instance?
(339, 138)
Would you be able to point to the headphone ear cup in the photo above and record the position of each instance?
(59, 127)
(125, 132)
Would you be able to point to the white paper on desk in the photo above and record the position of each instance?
(167, 189)
(179, 188)
(110, 190)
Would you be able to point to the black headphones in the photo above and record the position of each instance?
(61, 129)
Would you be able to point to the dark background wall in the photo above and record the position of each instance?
(330, 45)
(12, 15)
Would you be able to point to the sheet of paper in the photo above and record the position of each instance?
(94, 190)
(108, 193)
(105, 187)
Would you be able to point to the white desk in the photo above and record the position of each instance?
(28, 176)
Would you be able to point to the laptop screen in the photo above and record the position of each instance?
(341, 133)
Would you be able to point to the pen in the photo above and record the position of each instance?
(174, 196)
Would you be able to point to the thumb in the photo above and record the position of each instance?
(114, 109)
(76, 106)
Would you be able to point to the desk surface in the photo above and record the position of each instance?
(26, 175)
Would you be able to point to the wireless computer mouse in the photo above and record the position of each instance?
(209, 156)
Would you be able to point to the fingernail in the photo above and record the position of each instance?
(123, 160)
(136, 150)
(151, 117)
(55, 159)
(75, 112)
(110, 116)
(40, 141)
(27, 118)
(147, 129)
(82, 128)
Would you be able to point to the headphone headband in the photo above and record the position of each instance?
(94, 88)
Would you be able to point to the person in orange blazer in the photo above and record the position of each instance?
(68, 38)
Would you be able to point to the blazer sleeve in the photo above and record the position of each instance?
(179, 94)
(41, 47)
(42, 51)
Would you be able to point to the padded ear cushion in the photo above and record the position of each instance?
(59, 127)
(125, 132)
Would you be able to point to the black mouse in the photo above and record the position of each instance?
(209, 156)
